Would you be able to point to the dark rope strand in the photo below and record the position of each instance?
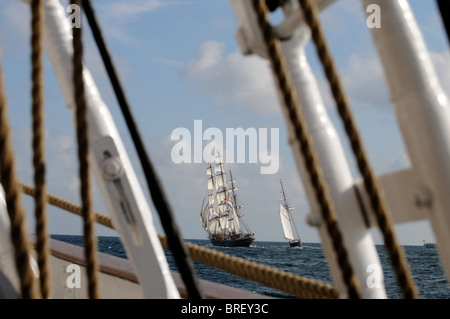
(90, 244)
(160, 201)
(42, 246)
(444, 9)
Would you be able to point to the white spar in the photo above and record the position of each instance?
(357, 237)
(423, 115)
(7, 264)
(112, 169)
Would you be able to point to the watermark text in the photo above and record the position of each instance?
(241, 145)
(374, 18)
(376, 276)
(74, 279)
(74, 16)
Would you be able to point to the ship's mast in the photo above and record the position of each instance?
(223, 190)
(236, 206)
(234, 194)
(284, 196)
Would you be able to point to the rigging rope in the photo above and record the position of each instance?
(90, 244)
(310, 158)
(42, 248)
(66, 205)
(374, 191)
(157, 193)
(271, 277)
(444, 9)
(12, 198)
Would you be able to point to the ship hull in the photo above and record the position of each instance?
(229, 242)
(295, 243)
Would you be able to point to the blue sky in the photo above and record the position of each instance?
(179, 62)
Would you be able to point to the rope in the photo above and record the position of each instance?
(285, 281)
(444, 10)
(66, 205)
(90, 244)
(162, 205)
(306, 148)
(380, 208)
(13, 203)
(38, 147)
(281, 280)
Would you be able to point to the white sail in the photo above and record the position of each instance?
(212, 212)
(218, 169)
(211, 199)
(221, 180)
(222, 209)
(218, 159)
(286, 223)
(204, 214)
(221, 196)
(209, 171)
(210, 184)
(213, 226)
(225, 224)
(236, 223)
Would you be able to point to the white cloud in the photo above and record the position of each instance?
(232, 78)
(116, 15)
(131, 9)
(16, 13)
(365, 82)
(120, 10)
(62, 148)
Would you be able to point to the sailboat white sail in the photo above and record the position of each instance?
(287, 222)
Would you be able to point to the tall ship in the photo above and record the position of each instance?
(220, 213)
(289, 228)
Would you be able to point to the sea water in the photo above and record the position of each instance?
(309, 262)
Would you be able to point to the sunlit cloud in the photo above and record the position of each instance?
(232, 78)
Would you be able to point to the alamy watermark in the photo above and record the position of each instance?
(74, 279)
(376, 276)
(240, 145)
(374, 18)
(74, 16)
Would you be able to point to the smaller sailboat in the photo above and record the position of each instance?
(288, 222)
